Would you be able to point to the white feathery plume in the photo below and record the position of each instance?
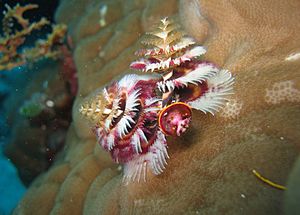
(132, 101)
(124, 125)
(202, 73)
(110, 141)
(219, 87)
(135, 141)
(183, 43)
(156, 158)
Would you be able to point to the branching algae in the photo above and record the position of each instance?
(12, 52)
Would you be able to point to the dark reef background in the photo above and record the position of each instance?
(12, 86)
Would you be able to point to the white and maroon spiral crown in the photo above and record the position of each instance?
(131, 117)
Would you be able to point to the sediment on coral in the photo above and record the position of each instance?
(211, 167)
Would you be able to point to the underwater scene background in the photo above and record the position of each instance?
(54, 55)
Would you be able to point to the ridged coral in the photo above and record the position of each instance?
(210, 172)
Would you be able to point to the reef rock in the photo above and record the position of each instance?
(38, 114)
(210, 169)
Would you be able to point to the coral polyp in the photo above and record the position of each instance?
(132, 117)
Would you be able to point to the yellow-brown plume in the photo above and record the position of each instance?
(93, 107)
